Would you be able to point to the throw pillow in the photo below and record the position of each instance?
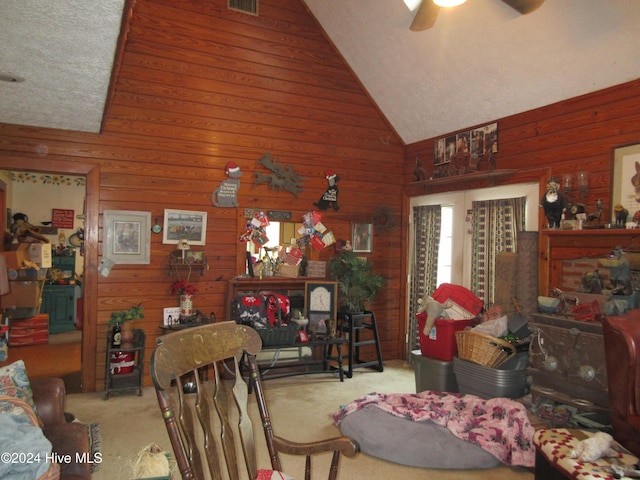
(14, 382)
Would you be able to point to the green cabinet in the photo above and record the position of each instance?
(60, 302)
(65, 263)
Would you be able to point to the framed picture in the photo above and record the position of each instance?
(127, 236)
(320, 303)
(185, 225)
(361, 237)
(626, 181)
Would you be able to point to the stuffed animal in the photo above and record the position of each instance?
(434, 309)
(594, 448)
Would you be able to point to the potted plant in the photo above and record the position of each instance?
(357, 284)
(125, 319)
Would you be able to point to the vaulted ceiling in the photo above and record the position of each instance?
(480, 62)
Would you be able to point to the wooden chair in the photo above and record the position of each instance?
(216, 350)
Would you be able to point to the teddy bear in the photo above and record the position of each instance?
(433, 309)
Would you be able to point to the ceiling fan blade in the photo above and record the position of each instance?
(425, 16)
(524, 6)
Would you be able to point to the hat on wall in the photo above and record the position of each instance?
(329, 174)
(231, 168)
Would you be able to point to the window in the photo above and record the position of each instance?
(455, 249)
(445, 254)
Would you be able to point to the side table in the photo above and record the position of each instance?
(125, 366)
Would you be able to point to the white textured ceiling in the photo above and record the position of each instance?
(480, 62)
(483, 60)
(64, 50)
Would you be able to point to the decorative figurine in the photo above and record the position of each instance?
(553, 203)
(226, 195)
(330, 197)
(620, 271)
(621, 214)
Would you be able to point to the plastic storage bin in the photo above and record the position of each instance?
(440, 343)
(510, 380)
(433, 374)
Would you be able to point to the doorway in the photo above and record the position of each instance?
(89, 332)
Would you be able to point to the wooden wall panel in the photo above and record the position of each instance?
(199, 86)
(576, 134)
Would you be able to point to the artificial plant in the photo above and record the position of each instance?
(357, 283)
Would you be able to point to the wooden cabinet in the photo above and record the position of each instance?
(66, 264)
(292, 287)
(60, 302)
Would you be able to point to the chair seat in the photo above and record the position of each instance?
(554, 446)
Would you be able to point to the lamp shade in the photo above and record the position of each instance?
(183, 244)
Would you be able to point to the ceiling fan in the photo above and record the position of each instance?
(427, 12)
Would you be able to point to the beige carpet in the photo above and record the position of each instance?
(301, 408)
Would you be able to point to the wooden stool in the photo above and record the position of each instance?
(553, 461)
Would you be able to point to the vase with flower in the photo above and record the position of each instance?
(185, 292)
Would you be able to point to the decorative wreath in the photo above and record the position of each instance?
(383, 219)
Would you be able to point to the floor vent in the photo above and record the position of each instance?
(244, 6)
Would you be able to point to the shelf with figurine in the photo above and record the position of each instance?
(180, 260)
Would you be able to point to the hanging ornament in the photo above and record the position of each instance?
(330, 197)
(226, 195)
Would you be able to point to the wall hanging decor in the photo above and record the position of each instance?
(362, 234)
(185, 225)
(226, 195)
(280, 178)
(329, 198)
(127, 236)
(626, 183)
(466, 152)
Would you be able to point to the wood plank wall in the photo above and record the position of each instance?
(576, 134)
(199, 86)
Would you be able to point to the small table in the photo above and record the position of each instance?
(325, 342)
(553, 446)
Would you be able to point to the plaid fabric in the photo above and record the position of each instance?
(555, 445)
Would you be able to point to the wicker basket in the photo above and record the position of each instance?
(292, 271)
(282, 335)
(483, 349)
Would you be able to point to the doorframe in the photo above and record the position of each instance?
(90, 286)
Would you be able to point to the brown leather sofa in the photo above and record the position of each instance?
(622, 353)
(67, 438)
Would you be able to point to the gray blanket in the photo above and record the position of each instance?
(25, 451)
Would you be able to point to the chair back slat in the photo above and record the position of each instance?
(201, 424)
(208, 419)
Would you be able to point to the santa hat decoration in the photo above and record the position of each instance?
(231, 168)
(329, 174)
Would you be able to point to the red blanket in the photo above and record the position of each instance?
(499, 425)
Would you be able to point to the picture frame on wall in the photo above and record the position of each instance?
(184, 225)
(362, 237)
(127, 236)
(625, 189)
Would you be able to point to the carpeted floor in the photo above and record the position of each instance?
(301, 409)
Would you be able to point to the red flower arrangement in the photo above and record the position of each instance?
(181, 287)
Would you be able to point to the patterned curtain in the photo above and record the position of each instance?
(496, 224)
(427, 220)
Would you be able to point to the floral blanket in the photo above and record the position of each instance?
(498, 425)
